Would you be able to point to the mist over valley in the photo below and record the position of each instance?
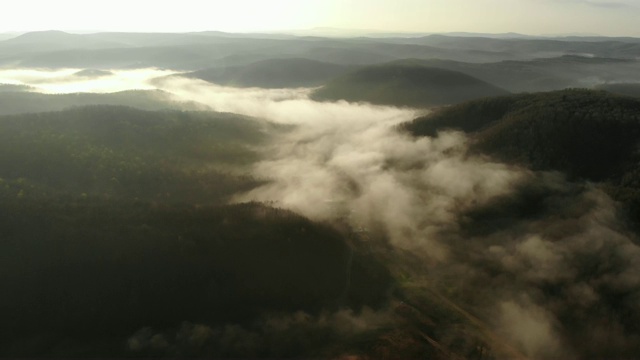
(261, 195)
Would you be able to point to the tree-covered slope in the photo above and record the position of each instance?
(116, 151)
(629, 89)
(14, 88)
(19, 102)
(545, 73)
(273, 73)
(118, 240)
(115, 220)
(82, 277)
(406, 85)
(585, 133)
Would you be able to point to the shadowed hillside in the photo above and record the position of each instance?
(406, 85)
(114, 221)
(19, 102)
(629, 89)
(14, 88)
(274, 73)
(544, 74)
(103, 270)
(123, 152)
(499, 226)
(586, 134)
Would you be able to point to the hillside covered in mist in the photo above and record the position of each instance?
(220, 195)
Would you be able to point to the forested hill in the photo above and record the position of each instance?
(15, 100)
(105, 271)
(273, 73)
(584, 133)
(543, 74)
(630, 89)
(116, 221)
(406, 85)
(168, 156)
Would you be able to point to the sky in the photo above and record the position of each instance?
(534, 17)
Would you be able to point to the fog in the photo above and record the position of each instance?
(347, 162)
(544, 282)
(561, 283)
(65, 81)
(277, 335)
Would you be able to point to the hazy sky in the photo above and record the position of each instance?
(606, 17)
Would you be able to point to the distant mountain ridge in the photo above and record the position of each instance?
(48, 35)
(200, 50)
(544, 74)
(54, 39)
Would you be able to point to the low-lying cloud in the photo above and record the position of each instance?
(65, 81)
(346, 161)
(281, 336)
(558, 281)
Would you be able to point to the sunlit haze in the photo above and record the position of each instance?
(536, 17)
(330, 179)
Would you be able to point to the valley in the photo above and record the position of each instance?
(245, 195)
